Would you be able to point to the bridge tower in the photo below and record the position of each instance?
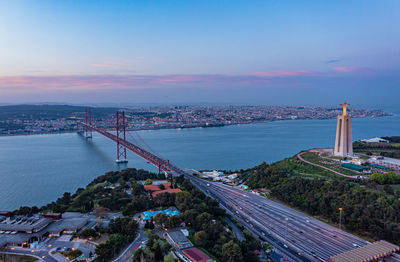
(88, 121)
(121, 150)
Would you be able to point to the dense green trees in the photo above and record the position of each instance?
(155, 251)
(231, 252)
(387, 178)
(123, 231)
(368, 212)
(148, 182)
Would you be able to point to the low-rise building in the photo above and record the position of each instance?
(178, 239)
(195, 255)
(154, 190)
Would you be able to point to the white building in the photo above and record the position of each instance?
(375, 140)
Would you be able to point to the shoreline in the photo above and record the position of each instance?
(189, 127)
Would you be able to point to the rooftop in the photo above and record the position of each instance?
(179, 239)
(195, 255)
(25, 224)
(370, 252)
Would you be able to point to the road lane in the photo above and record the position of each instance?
(315, 240)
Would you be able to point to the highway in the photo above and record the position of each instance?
(299, 238)
(294, 235)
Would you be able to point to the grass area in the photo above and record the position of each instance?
(304, 170)
(316, 159)
(396, 187)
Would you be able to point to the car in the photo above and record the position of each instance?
(263, 233)
(286, 246)
(249, 213)
(58, 248)
(355, 245)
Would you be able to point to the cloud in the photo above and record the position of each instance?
(84, 83)
(352, 69)
(282, 73)
(332, 61)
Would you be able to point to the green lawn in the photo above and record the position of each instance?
(316, 159)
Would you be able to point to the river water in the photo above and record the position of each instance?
(35, 170)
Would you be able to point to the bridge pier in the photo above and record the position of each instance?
(88, 120)
(121, 150)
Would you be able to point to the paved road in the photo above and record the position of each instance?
(128, 253)
(42, 255)
(300, 238)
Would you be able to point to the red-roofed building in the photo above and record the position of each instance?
(171, 191)
(195, 255)
(151, 188)
(154, 190)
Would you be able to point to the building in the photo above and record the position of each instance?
(376, 251)
(376, 140)
(154, 190)
(343, 140)
(355, 167)
(385, 162)
(195, 255)
(22, 230)
(178, 239)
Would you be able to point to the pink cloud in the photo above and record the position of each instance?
(351, 69)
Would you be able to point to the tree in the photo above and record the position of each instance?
(104, 252)
(203, 220)
(231, 252)
(148, 182)
(161, 186)
(88, 233)
(139, 255)
(149, 225)
(170, 258)
(160, 219)
(200, 238)
(174, 221)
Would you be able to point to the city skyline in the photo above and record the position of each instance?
(200, 52)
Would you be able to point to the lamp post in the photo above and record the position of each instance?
(340, 217)
(287, 219)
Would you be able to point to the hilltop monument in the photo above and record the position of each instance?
(343, 141)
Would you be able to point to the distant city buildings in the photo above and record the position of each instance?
(162, 117)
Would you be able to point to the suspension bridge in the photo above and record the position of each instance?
(123, 144)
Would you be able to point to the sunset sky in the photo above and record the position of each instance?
(208, 51)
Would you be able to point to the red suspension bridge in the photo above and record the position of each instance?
(123, 144)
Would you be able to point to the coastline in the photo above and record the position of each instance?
(189, 127)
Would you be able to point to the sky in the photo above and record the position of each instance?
(194, 52)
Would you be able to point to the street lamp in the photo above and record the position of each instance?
(340, 217)
(287, 219)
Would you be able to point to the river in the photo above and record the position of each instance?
(35, 170)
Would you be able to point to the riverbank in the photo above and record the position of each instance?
(180, 127)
